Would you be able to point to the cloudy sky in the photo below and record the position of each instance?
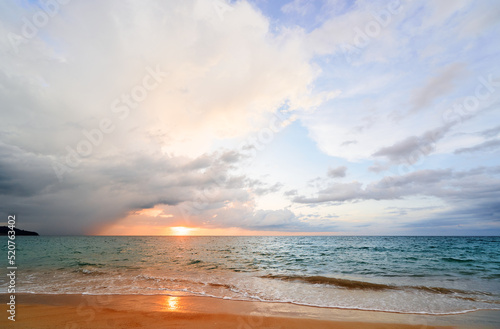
(250, 117)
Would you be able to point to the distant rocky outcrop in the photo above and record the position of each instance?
(5, 229)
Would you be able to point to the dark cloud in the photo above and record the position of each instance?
(475, 218)
(413, 148)
(379, 167)
(200, 191)
(290, 193)
(490, 133)
(271, 189)
(470, 199)
(403, 211)
(337, 172)
(439, 85)
(98, 192)
(230, 156)
(261, 188)
(199, 163)
(485, 146)
(335, 192)
(445, 184)
(22, 173)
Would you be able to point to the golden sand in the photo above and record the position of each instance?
(122, 311)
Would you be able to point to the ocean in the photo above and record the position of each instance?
(426, 275)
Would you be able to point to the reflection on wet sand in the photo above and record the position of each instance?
(171, 303)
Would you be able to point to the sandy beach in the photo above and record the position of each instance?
(135, 311)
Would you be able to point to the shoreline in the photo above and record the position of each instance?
(292, 304)
(116, 311)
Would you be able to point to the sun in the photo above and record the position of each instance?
(181, 230)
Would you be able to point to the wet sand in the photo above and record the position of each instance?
(158, 311)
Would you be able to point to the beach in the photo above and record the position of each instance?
(136, 311)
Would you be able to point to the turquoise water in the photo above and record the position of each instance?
(434, 275)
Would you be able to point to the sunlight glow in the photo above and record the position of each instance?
(181, 230)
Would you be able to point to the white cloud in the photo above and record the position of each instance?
(387, 79)
(224, 72)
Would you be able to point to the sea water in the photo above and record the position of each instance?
(431, 275)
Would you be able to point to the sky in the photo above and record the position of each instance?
(216, 117)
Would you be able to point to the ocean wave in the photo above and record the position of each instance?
(344, 283)
(364, 285)
(456, 260)
(194, 261)
(192, 282)
(90, 271)
(84, 263)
